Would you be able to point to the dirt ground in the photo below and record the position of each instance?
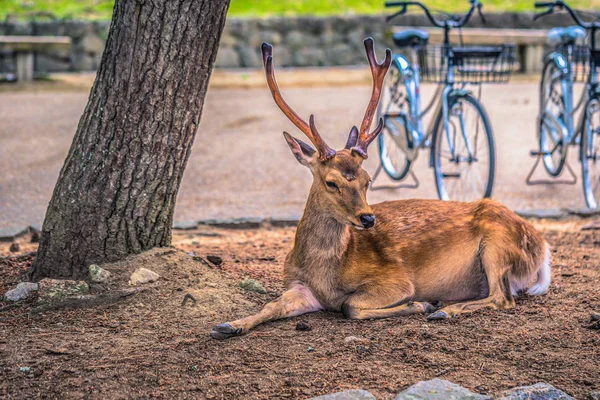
(151, 346)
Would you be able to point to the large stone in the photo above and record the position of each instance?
(22, 291)
(52, 290)
(238, 223)
(92, 44)
(98, 274)
(438, 389)
(227, 58)
(594, 396)
(143, 275)
(539, 391)
(249, 57)
(10, 233)
(185, 225)
(309, 57)
(552, 213)
(252, 285)
(354, 394)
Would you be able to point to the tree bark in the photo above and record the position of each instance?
(116, 191)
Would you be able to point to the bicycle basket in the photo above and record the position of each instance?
(578, 57)
(476, 64)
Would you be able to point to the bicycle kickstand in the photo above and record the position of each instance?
(538, 155)
(397, 186)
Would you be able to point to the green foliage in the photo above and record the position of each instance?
(102, 9)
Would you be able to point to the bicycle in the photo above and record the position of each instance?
(567, 64)
(463, 158)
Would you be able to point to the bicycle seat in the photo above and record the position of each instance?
(567, 35)
(410, 37)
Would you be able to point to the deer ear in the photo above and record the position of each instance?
(302, 151)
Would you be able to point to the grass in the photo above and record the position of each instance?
(102, 9)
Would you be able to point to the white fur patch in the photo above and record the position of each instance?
(544, 277)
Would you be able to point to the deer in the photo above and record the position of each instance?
(396, 258)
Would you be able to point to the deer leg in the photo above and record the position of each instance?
(499, 298)
(297, 300)
(384, 301)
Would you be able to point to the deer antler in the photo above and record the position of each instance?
(325, 152)
(378, 71)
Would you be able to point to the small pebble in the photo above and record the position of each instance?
(303, 326)
(310, 349)
(14, 247)
(216, 260)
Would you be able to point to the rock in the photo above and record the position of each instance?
(591, 226)
(552, 213)
(354, 394)
(143, 275)
(14, 247)
(35, 237)
(249, 57)
(215, 260)
(539, 391)
(22, 291)
(12, 232)
(51, 290)
(303, 326)
(227, 57)
(583, 212)
(353, 339)
(252, 285)
(98, 275)
(185, 225)
(595, 316)
(593, 396)
(283, 222)
(238, 223)
(438, 389)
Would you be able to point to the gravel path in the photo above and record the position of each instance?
(240, 165)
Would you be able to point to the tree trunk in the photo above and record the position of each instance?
(116, 191)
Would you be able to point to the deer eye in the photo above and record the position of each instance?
(332, 185)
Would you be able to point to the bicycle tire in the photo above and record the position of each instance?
(553, 166)
(437, 149)
(389, 152)
(590, 159)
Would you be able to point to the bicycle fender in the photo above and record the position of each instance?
(559, 60)
(402, 64)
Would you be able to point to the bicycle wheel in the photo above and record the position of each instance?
(551, 120)
(393, 101)
(589, 153)
(461, 174)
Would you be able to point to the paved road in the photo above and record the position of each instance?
(240, 164)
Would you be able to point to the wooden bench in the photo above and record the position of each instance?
(25, 46)
(530, 42)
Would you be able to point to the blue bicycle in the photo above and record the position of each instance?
(571, 62)
(460, 135)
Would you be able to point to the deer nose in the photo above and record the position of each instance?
(367, 220)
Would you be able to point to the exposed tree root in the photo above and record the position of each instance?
(87, 301)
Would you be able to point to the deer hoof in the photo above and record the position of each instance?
(224, 331)
(437, 315)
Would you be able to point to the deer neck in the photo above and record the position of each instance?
(321, 241)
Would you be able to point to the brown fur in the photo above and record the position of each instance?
(418, 252)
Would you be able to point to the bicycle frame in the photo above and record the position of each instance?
(410, 78)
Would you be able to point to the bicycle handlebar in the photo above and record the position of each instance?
(560, 5)
(450, 23)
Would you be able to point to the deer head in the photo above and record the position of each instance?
(339, 182)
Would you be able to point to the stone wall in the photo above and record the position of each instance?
(298, 41)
